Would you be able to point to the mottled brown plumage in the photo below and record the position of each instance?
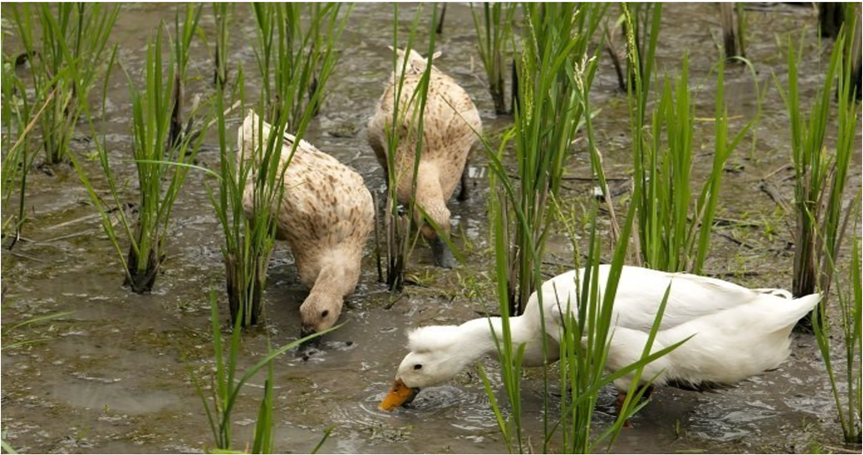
(451, 126)
(326, 215)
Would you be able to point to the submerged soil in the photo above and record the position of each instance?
(115, 374)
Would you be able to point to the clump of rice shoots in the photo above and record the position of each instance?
(673, 226)
(222, 12)
(67, 58)
(556, 41)
(18, 123)
(494, 34)
(295, 48)
(161, 166)
(732, 17)
(227, 383)
(821, 172)
(848, 397)
(182, 42)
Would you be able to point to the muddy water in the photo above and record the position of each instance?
(114, 375)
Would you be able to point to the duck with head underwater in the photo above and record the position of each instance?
(326, 215)
(451, 125)
(720, 322)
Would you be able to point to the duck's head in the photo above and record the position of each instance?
(319, 312)
(434, 210)
(443, 256)
(416, 63)
(436, 357)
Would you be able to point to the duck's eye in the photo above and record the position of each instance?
(325, 313)
(418, 366)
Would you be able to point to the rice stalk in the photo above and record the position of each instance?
(161, 170)
(848, 399)
(227, 383)
(18, 122)
(820, 174)
(65, 64)
(674, 226)
(222, 12)
(555, 43)
(494, 34)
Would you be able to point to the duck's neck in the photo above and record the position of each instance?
(332, 281)
(477, 337)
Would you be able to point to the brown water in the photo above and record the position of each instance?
(114, 376)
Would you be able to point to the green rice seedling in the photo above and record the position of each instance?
(398, 226)
(296, 53)
(159, 177)
(222, 12)
(733, 20)
(674, 227)
(227, 384)
(849, 398)
(820, 175)
(641, 21)
(66, 64)
(493, 37)
(18, 122)
(555, 42)
(182, 41)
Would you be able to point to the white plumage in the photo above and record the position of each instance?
(735, 332)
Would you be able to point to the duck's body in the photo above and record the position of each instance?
(326, 215)
(724, 320)
(451, 125)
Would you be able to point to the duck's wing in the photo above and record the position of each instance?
(640, 294)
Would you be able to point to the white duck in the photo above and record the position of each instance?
(326, 215)
(724, 320)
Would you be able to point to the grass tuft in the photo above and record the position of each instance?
(67, 48)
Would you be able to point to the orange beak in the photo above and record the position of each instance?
(399, 395)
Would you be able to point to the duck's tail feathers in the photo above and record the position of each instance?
(795, 309)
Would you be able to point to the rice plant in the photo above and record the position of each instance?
(182, 42)
(161, 167)
(18, 122)
(222, 12)
(820, 174)
(732, 17)
(227, 384)
(412, 113)
(66, 64)
(295, 54)
(673, 226)
(494, 34)
(641, 22)
(555, 42)
(849, 398)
